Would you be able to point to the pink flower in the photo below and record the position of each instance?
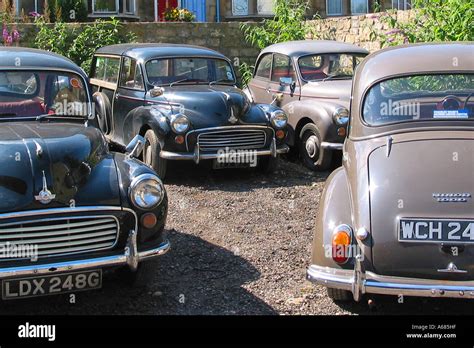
(9, 40)
(16, 35)
(393, 32)
(5, 33)
(34, 14)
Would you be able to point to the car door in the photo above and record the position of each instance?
(130, 94)
(260, 83)
(104, 78)
(283, 82)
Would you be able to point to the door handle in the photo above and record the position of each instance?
(117, 96)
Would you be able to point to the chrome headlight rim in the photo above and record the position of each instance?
(180, 117)
(279, 124)
(139, 180)
(340, 116)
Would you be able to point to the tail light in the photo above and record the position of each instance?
(341, 244)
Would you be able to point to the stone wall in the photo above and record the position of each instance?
(354, 29)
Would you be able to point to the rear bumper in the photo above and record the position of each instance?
(130, 257)
(332, 146)
(360, 283)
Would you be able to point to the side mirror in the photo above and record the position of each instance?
(135, 147)
(157, 92)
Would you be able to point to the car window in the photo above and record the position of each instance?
(189, 70)
(264, 66)
(323, 66)
(106, 69)
(282, 68)
(421, 97)
(131, 76)
(35, 93)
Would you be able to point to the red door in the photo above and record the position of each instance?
(163, 5)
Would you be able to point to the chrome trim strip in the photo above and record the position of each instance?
(360, 283)
(332, 146)
(192, 156)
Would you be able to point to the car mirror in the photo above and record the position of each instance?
(135, 147)
(157, 92)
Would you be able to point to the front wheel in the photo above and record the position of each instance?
(268, 164)
(151, 154)
(312, 154)
(141, 277)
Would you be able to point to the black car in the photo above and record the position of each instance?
(184, 101)
(69, 207)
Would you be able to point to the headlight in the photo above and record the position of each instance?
(146, 191)
(180, 123)
(341, 116)
(279, 119)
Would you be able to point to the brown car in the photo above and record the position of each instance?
(398, 217)
(311, 81)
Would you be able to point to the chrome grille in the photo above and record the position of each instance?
(59, 235)
(232, 139)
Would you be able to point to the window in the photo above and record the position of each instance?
(264, 66)
(240, 7)
(189, 70)
(28, 6)
(420, 98)
(334, 7)
(131, 76)
(282, 68)
(401, 4)
(105, 6)
(359, 6)
(329, 66)
(106, 69)
(266, 7)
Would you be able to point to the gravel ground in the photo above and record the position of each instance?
(241, 243)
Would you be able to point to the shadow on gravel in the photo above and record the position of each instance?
(194, 278)
(287, 174)
(389, 305)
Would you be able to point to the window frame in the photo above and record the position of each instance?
(101, 81)
(137, 66)
(291, 64)
(269, 78)
(334, 14)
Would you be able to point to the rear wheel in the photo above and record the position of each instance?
(151, 154)
(313, 156)
(339, 295)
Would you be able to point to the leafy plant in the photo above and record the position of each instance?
(432, 20)
(73, 11)
(173, 14)
(246, 73)
(80, 45)
(289, 24)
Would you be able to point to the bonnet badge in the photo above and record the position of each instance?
(232, 118)
(45, 196)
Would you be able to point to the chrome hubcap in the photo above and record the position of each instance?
(312, 146)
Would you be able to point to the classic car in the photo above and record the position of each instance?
(311, 81)
(183, 100)
(398, 217)
(69, 207)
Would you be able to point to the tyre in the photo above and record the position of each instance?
(267, 164)
(141, 277)
(339, 295)
(312, 155)
(151, 154)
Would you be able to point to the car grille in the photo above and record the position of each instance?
(232, 139)
(60, 235)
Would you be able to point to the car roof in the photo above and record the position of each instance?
(30, 58)
(147, 51)
(406, 60)
(300, 48)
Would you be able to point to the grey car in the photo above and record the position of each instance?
(398, 217)
(311, 81)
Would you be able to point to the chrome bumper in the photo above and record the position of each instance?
(130, 257)
(360, 283)
(332, 146)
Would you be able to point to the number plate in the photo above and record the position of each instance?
(436, 231)
(51, 284)
(224, 165)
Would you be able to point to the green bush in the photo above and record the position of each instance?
(73, 10)
(289, 24)
(432, 20)
(80, 45)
